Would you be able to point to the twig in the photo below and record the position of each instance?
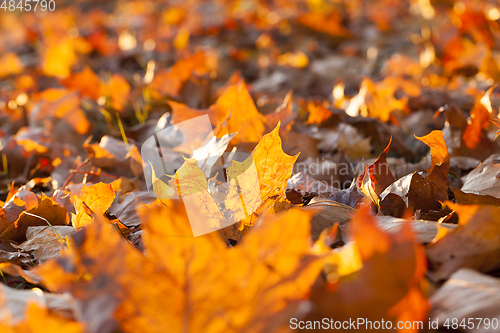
(15, 281)
(91, 173)
(73, 173)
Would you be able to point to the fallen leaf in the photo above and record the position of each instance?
(463, 198)
(243, 197)
(11, 64)
(86, 82)
(351, 196)
(208, 154)
(305, 184)
(296, 59)
(117, 89)
(126, 209)
(479, 120)
(236, 107)
(169, 82)
(145, 291)
(61, 104)
(387, 284)
(377, 177)
(468, 296)
(47, 210)
(18, 201)
(440, 163)
(330, 213)
(58, 59)
(417, 191)
(274, 167)
(474, 244)
(484, 180)
(115, 156)
(45, 242)
(19, 304)
(94, 199)
(317, 113)
(203, 212)
(425, 231)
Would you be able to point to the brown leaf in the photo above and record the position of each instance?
(440, 163)
(330, 212)
(45, 243)
(305, 184)
(387, 285)
(18, 202)
(47, 210)
(474, 244)
(475, 199)
(412, 192)
(468, 296)
(377, 177)
(17, 304)
(351, 197)
(484, 180)
(425, 231)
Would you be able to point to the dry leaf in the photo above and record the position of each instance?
(58, 59)
(47, 210)
(330, 213)
(11, 64)
(93, 200)
(484, 180)
(474, 244)
(377, 177)
(169, 82)
(86, 82)
(144, 292)
(386, 285)
(469, 297)
(440, 163)
(18, 302)
(46, 242)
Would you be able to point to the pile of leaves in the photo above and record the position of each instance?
(371, 126)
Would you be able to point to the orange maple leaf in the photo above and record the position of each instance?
(182, 283)
(386, 285)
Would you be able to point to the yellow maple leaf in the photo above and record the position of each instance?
(243, 197)
(94, 199)
(274, 166)
(203, 211)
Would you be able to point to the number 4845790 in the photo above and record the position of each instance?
(28, 5)
(482, 323)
